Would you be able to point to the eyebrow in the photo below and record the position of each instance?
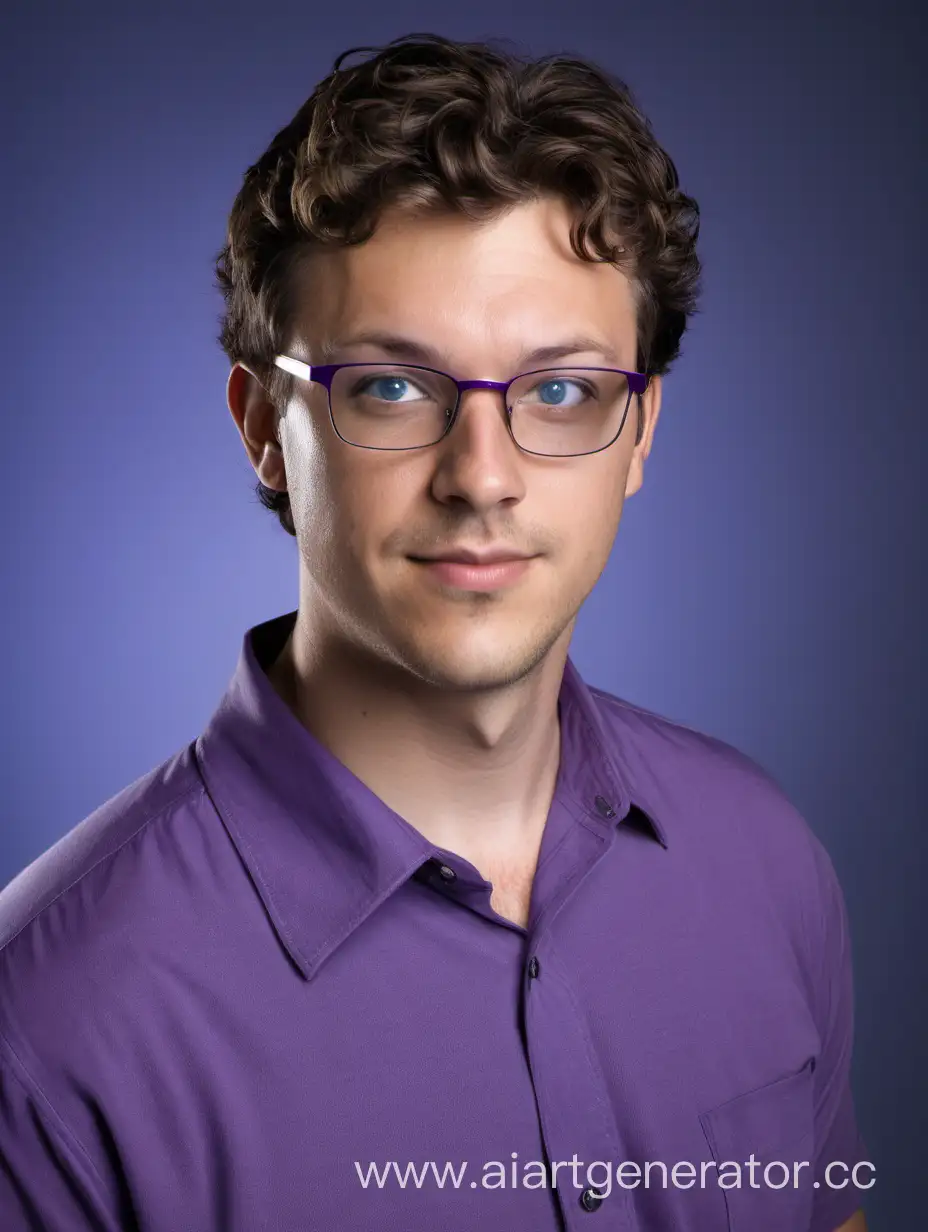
(420, 352)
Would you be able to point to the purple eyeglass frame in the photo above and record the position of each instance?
(323, 374)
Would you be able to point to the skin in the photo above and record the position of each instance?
(444, 702)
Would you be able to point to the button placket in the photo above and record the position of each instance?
(576, 1118)
(590, 1200)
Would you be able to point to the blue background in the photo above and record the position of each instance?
(770, 573)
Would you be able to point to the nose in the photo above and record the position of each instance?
(478, 463)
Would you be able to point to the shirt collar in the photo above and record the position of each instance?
(322, 849)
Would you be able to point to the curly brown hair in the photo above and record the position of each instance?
(472, 128)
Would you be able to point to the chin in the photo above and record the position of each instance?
(477, 661)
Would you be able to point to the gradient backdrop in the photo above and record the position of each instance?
(767, 585)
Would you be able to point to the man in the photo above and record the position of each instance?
(424, 931)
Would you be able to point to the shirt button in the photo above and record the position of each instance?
(448, 873)
(590, 1200)
(533, 968)
(603, 807)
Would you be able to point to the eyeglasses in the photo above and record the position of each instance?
(553, 412)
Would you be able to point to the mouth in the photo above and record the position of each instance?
(466, 571)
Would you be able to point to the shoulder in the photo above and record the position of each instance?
(726, 817)
(78, 864)
(77, 925)
(84, 931)
(701, 782)
(91, 931)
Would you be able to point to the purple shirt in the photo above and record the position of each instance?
(244, 983)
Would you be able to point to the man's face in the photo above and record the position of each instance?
(480, 295)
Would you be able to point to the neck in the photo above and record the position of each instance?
(473, 772)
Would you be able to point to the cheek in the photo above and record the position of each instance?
(348, 503)
(312, 485)
(592, 510)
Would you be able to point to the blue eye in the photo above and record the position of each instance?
(556, 385)
(560, 389)
(389, 383)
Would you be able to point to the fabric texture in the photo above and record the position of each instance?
(244, 982)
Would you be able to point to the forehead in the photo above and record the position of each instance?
(509, 282)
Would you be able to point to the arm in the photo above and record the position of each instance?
(46, 1178)
(837, 1137)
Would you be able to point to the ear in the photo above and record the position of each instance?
(649, 408)
(256, 419)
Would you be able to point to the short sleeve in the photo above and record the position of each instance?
(837, 1138)
(47, 1181)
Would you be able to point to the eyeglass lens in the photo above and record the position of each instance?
(557, 411)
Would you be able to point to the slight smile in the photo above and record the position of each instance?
(474, 570)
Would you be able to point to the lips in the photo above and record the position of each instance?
(473, 571)
(464, 556)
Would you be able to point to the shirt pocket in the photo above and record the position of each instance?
(775, 1123)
